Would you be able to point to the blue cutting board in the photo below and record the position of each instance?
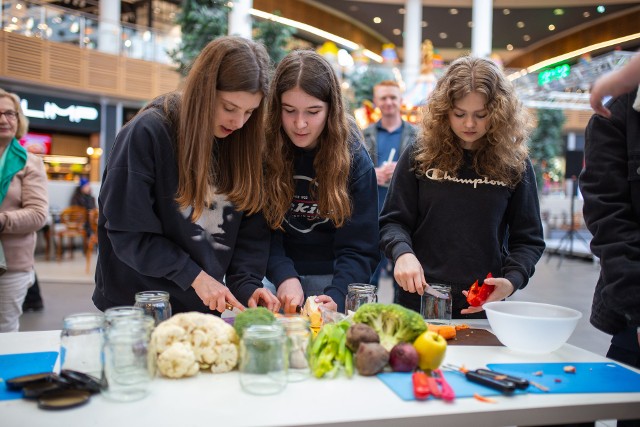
(400, 383)
(15, 365)
(589, 377)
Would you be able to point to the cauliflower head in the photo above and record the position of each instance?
(211, 342)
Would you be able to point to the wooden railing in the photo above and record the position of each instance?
(61, 66)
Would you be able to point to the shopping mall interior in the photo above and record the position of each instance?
(84, 68)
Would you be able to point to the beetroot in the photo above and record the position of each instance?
(403, 357)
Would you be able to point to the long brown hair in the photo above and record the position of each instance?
(503, 152)
(23, 122)
(313, 74)
(230, 167)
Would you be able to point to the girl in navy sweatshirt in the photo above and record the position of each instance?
(181, 195)
(321, 191)
(463, 201)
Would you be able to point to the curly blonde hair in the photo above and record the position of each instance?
(313, 74)
(502, 153)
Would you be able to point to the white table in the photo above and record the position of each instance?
(217, 400)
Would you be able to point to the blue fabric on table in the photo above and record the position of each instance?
(15, 365)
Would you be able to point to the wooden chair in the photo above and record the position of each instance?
(92, 241)
(72, 220)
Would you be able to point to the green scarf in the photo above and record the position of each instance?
(12, 161)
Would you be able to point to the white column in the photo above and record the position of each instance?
(412, 41)
(481, 34)
(109, 26)
(240, 20)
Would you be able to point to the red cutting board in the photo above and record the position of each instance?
(588, 378)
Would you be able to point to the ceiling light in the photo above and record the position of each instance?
(377, 20)
(506, 11)
(470, 24)
(600, 9)
(459, 45)
(526, 37)
(316, 31)
(453, 11)
(558, 12)
(397, 31)
(586, 14)
(520, 24)
(402, 11)
(443, 35)
(552, 27)
(509, 46)
(424, 24)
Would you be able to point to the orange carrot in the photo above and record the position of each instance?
(484, 399)
(447, 332)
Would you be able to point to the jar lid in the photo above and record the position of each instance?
(149, 296)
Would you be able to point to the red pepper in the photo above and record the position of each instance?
(478, 294)
(424, 386)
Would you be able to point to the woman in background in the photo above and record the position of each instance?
(23, 211)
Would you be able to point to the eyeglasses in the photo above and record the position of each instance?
(10, 115)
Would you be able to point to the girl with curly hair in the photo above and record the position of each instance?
(321, 189)
(463, 201)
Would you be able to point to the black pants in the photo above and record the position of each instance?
(33, 300)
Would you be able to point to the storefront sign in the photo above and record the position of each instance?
(51, 113)
(556, 73)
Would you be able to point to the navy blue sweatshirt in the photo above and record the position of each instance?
(147, 243)
(462, 227)
(311, 245)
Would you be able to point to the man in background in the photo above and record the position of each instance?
(385, 140)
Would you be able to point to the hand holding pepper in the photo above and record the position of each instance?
(502, 289)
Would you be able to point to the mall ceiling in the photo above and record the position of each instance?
(517, 24)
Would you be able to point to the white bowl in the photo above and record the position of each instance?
(531, 327)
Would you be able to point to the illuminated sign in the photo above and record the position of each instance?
(51, 113)
(557, 73)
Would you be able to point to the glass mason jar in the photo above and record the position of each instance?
(298, 340)
(122, 312)
(263, 361)
(359, 294)
(154, 303)
(81, 342)
(126, 359)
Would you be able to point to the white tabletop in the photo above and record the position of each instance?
(216, 399)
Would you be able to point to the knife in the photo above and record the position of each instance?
(435, 293)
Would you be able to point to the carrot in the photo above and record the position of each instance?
(462, 326)
(447, 332)
(484, 399)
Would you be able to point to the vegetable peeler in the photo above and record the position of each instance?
(504, 383)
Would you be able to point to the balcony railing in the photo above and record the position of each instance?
(48, 22)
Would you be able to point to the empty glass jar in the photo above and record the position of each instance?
(127, 372)
(155, 304)
(81, 342)
(263, 360)
(359, 294)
